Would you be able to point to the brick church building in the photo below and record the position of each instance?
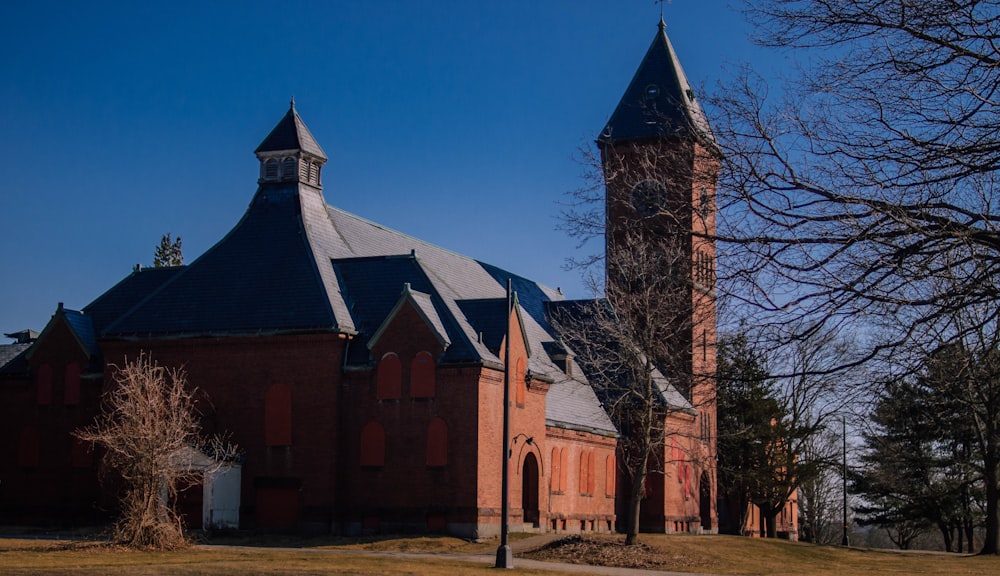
(361, 370)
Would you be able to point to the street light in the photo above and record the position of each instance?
(505, 557)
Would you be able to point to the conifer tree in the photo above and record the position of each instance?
(168, 253)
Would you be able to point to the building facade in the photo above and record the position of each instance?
(361, 371)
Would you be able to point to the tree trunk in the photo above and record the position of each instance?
(772, 524)
(635, 506)
(946, 535)
(991, 541)
(970, 535)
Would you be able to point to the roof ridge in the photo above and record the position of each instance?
(425, 243)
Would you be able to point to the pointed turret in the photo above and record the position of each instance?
(659, 102)
(290, 153)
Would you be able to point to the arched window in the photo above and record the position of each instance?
(591, 472)
(519, 383)
(271, 169)
(422, 376)
(555, 470)
(71, 393)
(564, 470)
(437, 443)
(278, 415)
(288, 169)
(43, 381)
(373, 445)
(584, 472)
(609, 476)
(389, 378)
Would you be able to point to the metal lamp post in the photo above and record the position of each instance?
(505, 557)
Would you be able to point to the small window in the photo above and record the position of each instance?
(555, 467)
(609, 476)
(373, 445)
(437, 443)
(564, 469)
(288, 169)
(278, 415)
(389, 378)
(591, 472)
(422, 376)
(314, 172)
(271, 169)
(43, 381)
(71, 393)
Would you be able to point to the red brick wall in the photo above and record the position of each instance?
(571, 508)
(406, 493)
(59, 485)
(233, 376)
(689, 171)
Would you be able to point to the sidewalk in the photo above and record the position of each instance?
(517, 547)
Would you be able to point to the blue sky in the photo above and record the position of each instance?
(457, 122)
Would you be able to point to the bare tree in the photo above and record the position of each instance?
(647, 343)
(617, 341)
(150, 435)
(860, 196)
(862, 189)
(771, 429)
(821, 497)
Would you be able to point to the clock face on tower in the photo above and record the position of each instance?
(648, 197)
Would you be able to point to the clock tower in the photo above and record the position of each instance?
(661, 163)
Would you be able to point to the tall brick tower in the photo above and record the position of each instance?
(660, 163)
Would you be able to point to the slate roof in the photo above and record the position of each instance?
(125, 295)
(294, 264)
(291, 134)
(12, 358)
(659, 100)
(84, 330)
(260, 278)
(582, 310)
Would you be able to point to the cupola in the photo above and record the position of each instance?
(290, 154)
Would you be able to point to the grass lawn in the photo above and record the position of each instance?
(46, 557)
(710, 554)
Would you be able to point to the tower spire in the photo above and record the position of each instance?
(659, 102)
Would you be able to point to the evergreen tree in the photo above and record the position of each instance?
(923, 465)
(168, 253)
(746, 410)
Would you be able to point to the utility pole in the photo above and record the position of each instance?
(844, 541)
(505, 557)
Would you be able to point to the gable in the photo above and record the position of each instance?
(413, 324)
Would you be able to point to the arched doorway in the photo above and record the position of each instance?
(529, 489)
(705, 502)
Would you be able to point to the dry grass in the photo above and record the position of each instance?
(46, 557)
(329, 556)
(734, 555)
